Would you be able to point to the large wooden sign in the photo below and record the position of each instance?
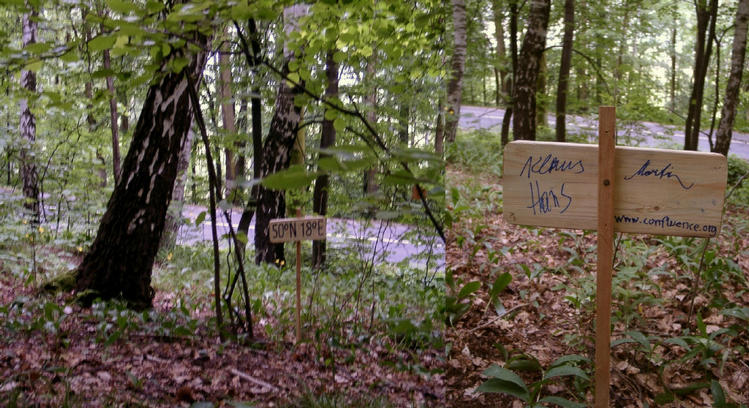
(297, 229)
(609, 188)
(661, 192)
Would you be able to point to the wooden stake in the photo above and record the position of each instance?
(606, 144)
(298, 284)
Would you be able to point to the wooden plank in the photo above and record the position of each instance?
(297, 229)
(298, 314)
(606, 199)
(661, 192)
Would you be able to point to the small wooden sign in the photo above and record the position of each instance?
(297, 229)
(660, 192)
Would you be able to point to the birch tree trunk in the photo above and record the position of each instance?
(276, 153)
(27, 127)
(529, 62)
(120, 260)
(728, 112)
(454, 87)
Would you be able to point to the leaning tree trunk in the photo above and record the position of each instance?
(454, 87)
(228, 118)
(529, 62)
(564, 70)
(113, 120)
(120, 260)
(327, 139)
(276, 154)
(728, 113)
(27, 127)
(706, 16)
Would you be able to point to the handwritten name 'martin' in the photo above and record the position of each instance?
(551, 163)
(644, 171)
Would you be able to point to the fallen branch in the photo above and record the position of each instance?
(254, 380)
(498, 318)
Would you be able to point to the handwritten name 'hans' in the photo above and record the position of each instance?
(549, 164)
(644, 171)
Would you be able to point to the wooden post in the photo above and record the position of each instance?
(606, 144)
(298, 284)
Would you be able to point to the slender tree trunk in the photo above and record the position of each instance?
(439, 131)
(673, 63)
(121, 257)
(370, 182)
(524, 101)
(500, 70)
(728, 113)
(27, 126)
(454, 87)
(327, 139)
(276, 154)
(256, 111)
(228, 116)
(514, 59)
(706, 16)
(113, 120)
(564, 70)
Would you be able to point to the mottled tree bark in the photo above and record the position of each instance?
(27, 126)
(738, 54)
(327, 139)
(120, 260)
(564, 70)
(706, 16)
(455, 87)
(524, 100)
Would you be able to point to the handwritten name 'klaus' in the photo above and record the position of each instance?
(645, 171)
(549, 164)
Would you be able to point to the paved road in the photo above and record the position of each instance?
(646, 134)
(377, 241)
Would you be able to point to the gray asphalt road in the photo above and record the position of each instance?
(645, 134)
(377, 241)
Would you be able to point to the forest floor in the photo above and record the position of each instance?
(676, 332)
(55, 353)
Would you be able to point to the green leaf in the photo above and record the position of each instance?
(339, 124)
(101, 42)
(565, 370)
(120, 6)
(494, 385)
(504, 381)
(500, 284)
(339, 57)
(468, 289)
(719, 397)
(399, 178)
(569, 358)
(291, 178)
(562, 402)
(524, 363)
(199, 220)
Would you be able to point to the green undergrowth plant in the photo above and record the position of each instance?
(479, 151)
(505, 379)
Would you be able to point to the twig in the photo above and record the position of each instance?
(498, 318)
(254, 380)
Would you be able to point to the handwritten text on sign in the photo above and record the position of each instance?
(297, 229)
(663, 192)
